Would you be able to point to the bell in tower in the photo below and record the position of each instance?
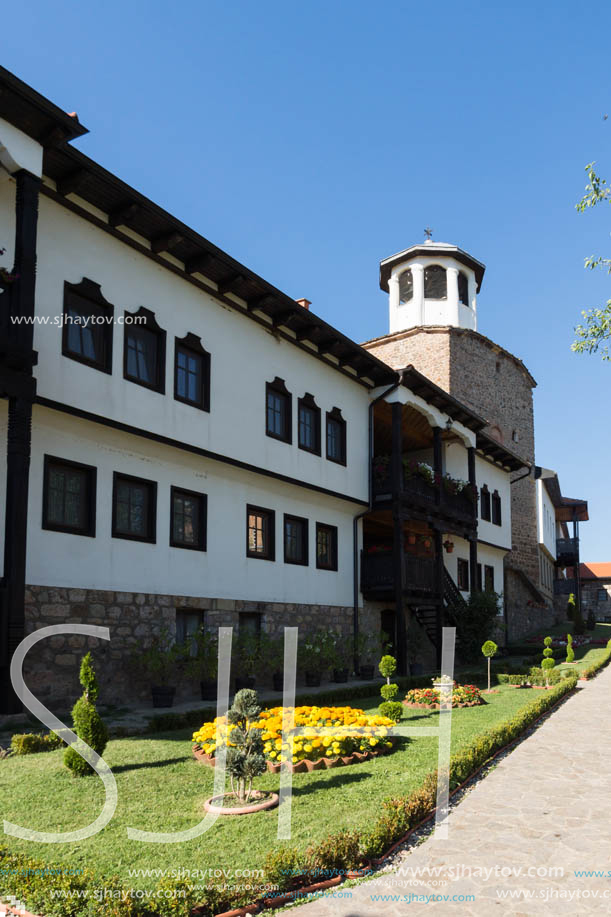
(432, 284)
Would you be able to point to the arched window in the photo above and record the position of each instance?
(435, 283)
(463, 288)
(406, 286)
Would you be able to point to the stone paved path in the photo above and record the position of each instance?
(547, 805)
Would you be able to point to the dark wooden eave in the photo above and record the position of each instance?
(433, 394)
(36, 116)
(497, 452)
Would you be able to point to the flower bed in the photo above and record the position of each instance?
(462, 696)
(353, 736)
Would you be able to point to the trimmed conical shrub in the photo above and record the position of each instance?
(87, 722)
(570, 652)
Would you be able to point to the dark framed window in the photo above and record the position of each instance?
(187, 519)
(497, 518)
(68, 497)
(463, 288)
(144, 350)
(336, 437)
(326, 546)
(191, 372)
(260, 533)
(479, 577)
(278, 414)
(488, 578)
(295, 540)
(463, 575)
(249, 623)
(309, 424)
(602, 595)
(134, 508)
(88, 325)
(435, 282)
(484, 503)
(188, 624)
(406, 286)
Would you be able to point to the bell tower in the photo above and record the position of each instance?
(432, 284)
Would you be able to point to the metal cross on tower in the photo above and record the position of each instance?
(428, 233)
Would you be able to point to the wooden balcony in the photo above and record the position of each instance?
(564, 586)
(422, 495)
(567, 551)
(378, 576)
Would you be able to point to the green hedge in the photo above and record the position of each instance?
(597, 666)
(29, 743)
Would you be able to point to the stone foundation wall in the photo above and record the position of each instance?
(525, 613)
(52, 666)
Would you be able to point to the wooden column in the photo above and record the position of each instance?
(473, 539)
(437, 462)
(439, 571)
(17, 382)
(398, 549)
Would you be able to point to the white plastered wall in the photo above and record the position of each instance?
(223, 571)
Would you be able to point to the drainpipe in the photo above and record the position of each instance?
(355, 521)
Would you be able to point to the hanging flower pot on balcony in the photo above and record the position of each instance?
(427, 543)
(411, 538)
(449, 546)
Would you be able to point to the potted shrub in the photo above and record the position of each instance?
(204, 665)
(415, 645)
(163, 663)
(339, 653)
(365, 645)
(313, 658)
(247, 659)
(272, 659)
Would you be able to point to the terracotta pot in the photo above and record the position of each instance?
(278, 679)
(244, 681)
(163, 696)
(211, 805)
(203, 757)
(411, 539)
(299, 768)
(348, 759)
(273, 768)
(332, 762)
(208, 689)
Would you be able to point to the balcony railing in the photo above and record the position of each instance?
(564, 586)
(422, 493)
(378, 573)
(567, 549)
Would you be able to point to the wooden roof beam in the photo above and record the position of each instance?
(259, 301)
(72, 182)
(281, 318)
(122, 215)
(165, 242)
(305, 334)
(198, 263)
(225, 285)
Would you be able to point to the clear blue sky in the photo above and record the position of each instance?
(312, 140)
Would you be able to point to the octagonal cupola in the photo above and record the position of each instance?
(433, 283)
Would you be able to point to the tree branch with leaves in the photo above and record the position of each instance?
(594, 335)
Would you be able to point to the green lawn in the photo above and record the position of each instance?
(584, 655)
(161, 787)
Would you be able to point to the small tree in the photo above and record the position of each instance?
(390, 707)
(591, 620)
(88, 724)
(479, 619)
(548, 660)
(570, 652)
(489, 649)
(570, 608)
(245, 759)
(578, 622)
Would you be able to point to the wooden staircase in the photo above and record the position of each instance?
(452, 606)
